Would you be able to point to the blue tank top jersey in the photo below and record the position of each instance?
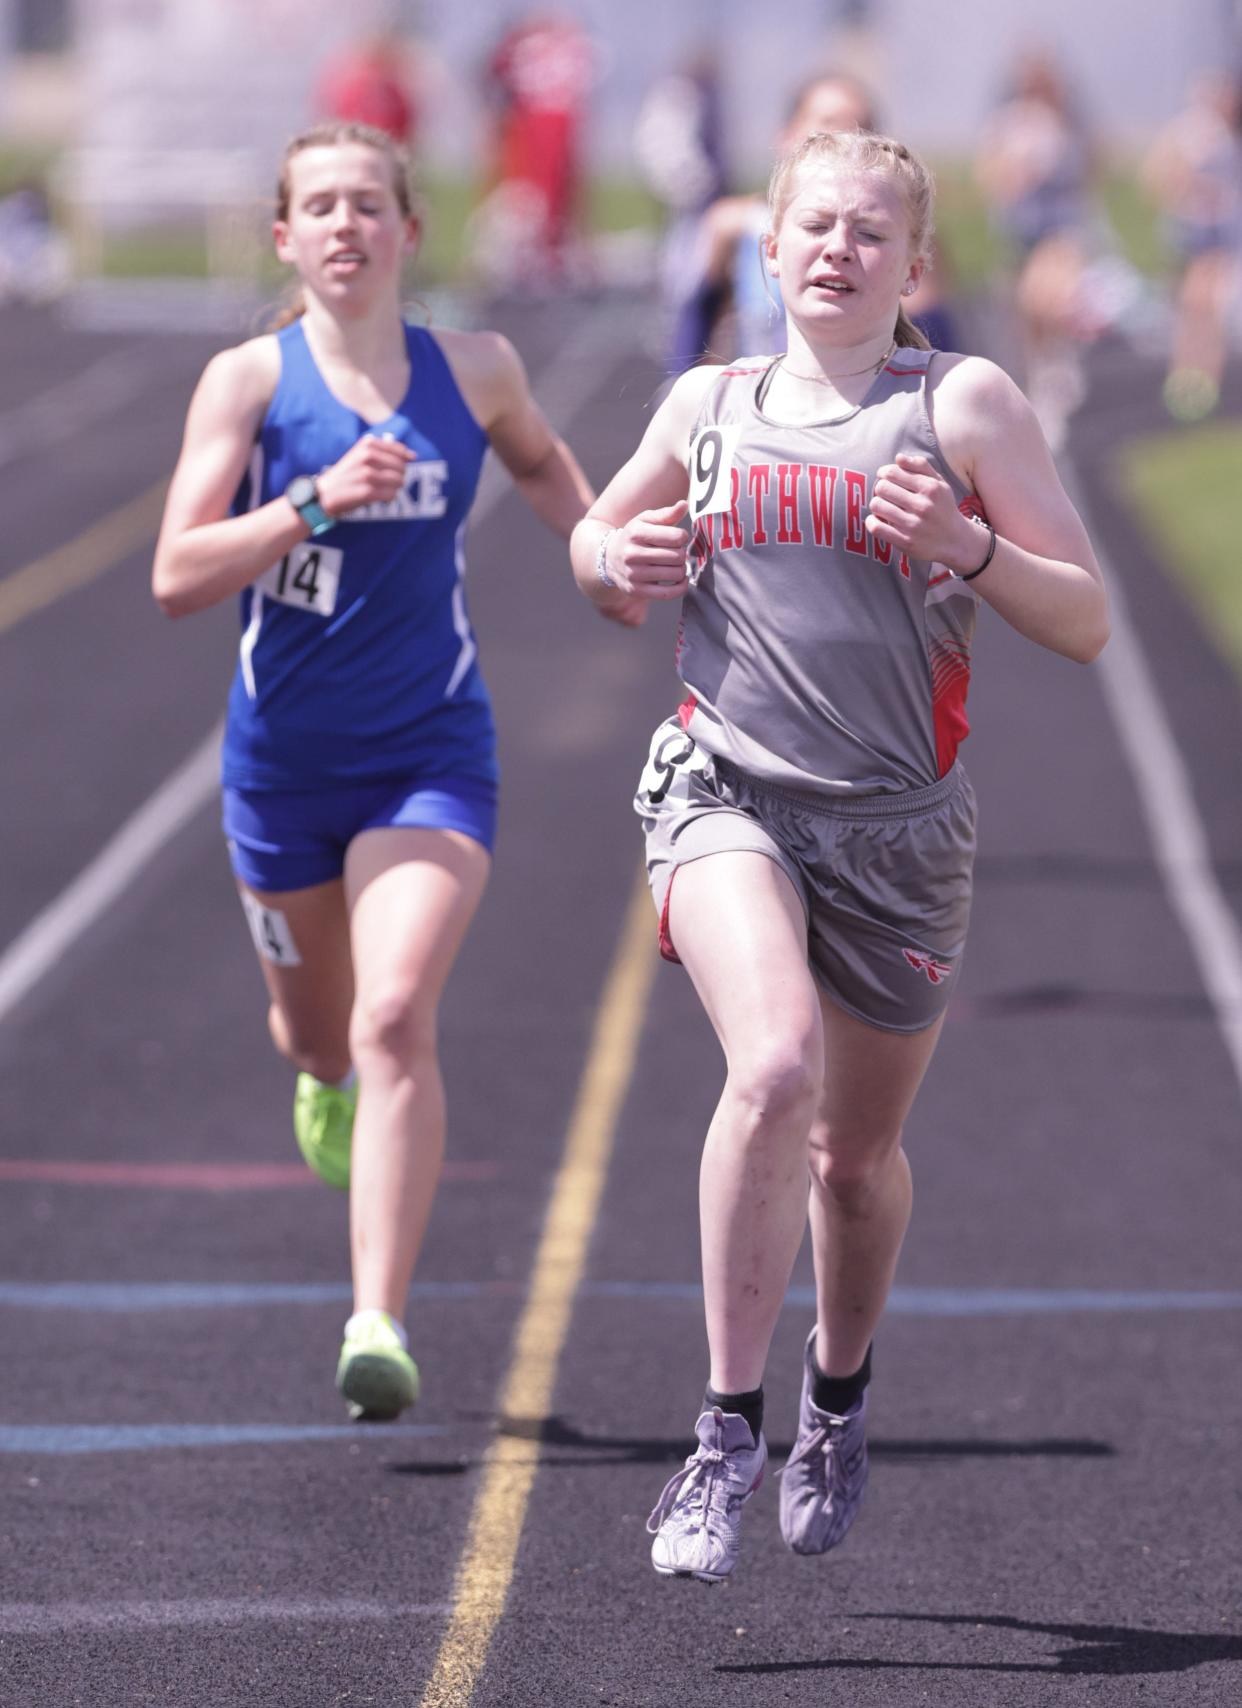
(357, 659)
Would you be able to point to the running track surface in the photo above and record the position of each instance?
(186, 1518)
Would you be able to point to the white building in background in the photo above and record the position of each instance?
(238, 74)
(36, 83)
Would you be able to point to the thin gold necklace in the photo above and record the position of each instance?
(829, 379)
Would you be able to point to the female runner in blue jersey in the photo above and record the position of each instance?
(326, 476)
(810, 833)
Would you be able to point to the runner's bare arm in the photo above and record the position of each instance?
(545, 471)
(203, 554)
(724, 225)
(200, 557)
(1043, 578)
(643, 504)
(1165, 171)
(493, 382)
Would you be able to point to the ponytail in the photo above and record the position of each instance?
(906, 335)
(292, 307)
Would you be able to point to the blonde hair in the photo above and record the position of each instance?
(865, 151)
(338, 133)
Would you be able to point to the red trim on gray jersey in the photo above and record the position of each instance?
(917, 368)
(667, 951)
(950, 682)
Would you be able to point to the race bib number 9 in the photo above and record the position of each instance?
(712, 451)
(307, 578)
(673, 753)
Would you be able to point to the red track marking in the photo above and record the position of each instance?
(195, 1176)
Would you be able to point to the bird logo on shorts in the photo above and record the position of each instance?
(937, 971)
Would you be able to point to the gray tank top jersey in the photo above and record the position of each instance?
(818, 658)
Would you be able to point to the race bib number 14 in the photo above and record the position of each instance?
(712, 451)
(307, 578)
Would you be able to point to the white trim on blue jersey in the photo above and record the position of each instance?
(250, 638)
(461, 621)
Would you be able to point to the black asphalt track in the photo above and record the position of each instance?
(1054, 1512)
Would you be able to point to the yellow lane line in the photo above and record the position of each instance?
(99, 548)
(486, 1568)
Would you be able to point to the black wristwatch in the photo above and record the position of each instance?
(303, 493)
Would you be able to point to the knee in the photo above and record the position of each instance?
(307, 1051)
(390, 1024)
(852, 1171)
(775, 1087)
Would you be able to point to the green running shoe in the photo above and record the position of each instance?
(376, 1375)
(1190, 394)
(323, 1122)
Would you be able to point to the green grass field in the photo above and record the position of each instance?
(971, 245)
(179, 250)
(20, 163)
(1198, 537)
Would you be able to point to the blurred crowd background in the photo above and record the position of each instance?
(1089, 157)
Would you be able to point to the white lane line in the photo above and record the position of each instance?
(129, 1297)
(61, 1440)
(38, 948)
(65, 409)
(39, 1619)
(1166, 796)
(564, 385)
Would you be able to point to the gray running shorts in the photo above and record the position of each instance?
(884, 880)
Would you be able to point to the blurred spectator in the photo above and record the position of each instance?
(679, 146)
(1194, 170)
(34, 257)
(373, 81)
(1035, 159)
(536, 82)
(1035, 166)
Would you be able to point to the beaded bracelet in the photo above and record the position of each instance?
(601, 558)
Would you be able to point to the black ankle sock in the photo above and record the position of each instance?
(838, 1393)
(749, 1406)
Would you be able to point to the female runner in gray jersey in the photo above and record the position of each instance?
(809, 829)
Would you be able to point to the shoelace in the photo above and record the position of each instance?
(823, 1439)
(700, 1466)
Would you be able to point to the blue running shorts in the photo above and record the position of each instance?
(291, 839)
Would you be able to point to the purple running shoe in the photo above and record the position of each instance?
(825, 1477)
(698, 1519)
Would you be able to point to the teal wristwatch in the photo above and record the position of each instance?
(303, 493)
